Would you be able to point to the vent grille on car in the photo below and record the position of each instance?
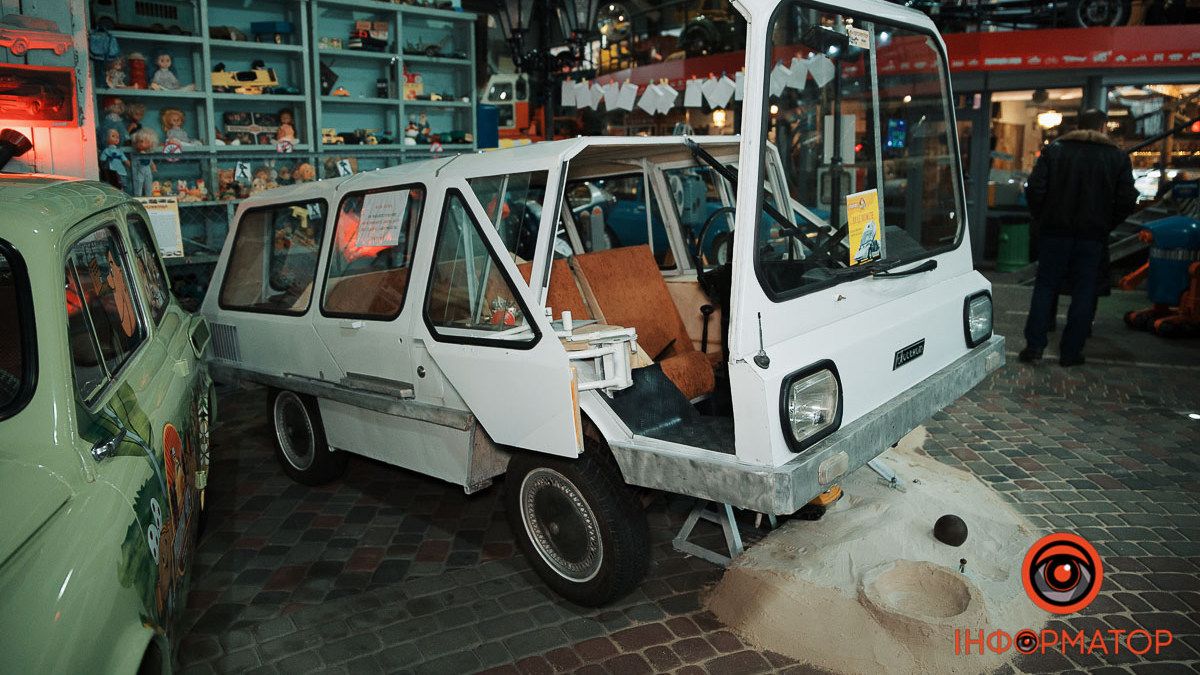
(225, 342)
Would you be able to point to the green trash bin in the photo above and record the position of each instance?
(1013, 253)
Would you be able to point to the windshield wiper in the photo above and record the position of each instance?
(885, 272)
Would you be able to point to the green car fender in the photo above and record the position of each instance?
(60, 596)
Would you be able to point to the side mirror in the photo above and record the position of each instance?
(201, 335)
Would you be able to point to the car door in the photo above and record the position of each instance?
(134, 418)
(363, 312)
(503, 360)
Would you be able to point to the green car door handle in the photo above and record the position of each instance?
(105, 449)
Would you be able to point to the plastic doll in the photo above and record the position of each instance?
(165, 78)
(286, 117)
(114, 74)
(201, 190)
(156, 189)
(143, 167)
(137, 70)
(285, 133)
(410, 133)
(285, 176)
(226, 186)
(172, 120)
(114, 160)
(304, 173)
(114, 111)
(262, 180)
(134, 113)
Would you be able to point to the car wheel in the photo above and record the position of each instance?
(300, 443)
(578, 524)
(19, 46)
(1090, 13)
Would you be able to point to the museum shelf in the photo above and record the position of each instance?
(138, 36)
(150, 93)
(357, 54)
(254, 46)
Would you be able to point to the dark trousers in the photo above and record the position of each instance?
(1064, 262)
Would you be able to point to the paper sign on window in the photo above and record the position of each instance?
(164, 219)
(865, 231)
(382, 219)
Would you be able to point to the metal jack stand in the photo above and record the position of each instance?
(721, 514)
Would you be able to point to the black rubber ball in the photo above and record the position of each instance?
(950, 529)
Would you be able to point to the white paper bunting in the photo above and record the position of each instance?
(739, 85)
(597, 94)
(799, 76)
(822, 69)
(612, 91)
(692, 96)
(583, 95)
(628, 96)
(780, 76)
(722, 91)
(568, 94)
(667, 95)
(649, 100)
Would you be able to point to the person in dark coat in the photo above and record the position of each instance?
(1080, 189)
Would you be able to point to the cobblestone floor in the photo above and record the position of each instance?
(386, 570)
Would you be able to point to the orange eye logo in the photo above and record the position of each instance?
(1062, 573)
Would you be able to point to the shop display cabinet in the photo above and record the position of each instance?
(399, 69)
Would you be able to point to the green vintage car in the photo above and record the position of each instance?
(105, 406)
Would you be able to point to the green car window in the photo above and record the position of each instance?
(103, 323)
(16, 358)
(149, 270)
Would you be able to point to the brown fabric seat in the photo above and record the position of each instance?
(562, 293)
(630, 291)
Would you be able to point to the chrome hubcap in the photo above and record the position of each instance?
(294, 430)
(561, 525)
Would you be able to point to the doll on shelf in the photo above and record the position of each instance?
(114, 111)
(286, 117)
(227, 187)
(143, 167)
(286, 132)
(165, 78)
(137, 70)
(172, 125)
(304, 173)
(114, 74)
(262, 180)
(114, 163)
(284, 176)
(134, 114)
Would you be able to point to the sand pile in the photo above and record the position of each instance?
(867, 589)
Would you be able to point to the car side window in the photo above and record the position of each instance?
(104, 328)
(469, 298)
(514, 205)
(149, 268)
(373, 242)
(273, 264)
(611, 212)
(16, 347)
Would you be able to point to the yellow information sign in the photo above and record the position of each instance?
(866, 233)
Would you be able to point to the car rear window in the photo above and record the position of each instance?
(273, 265)
(16, 339)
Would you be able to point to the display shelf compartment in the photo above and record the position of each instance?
(249, 98)
(418, 103)
(343, 100)
(260, 149)
(139, 36)
(439, 60)
(333, 52)
(250, 45)
(150, 93)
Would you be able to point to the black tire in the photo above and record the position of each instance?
(300, 443)
(560, 499)
(1091, 13)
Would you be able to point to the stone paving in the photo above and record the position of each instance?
(386, 570)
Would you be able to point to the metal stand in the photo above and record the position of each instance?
(720, 514)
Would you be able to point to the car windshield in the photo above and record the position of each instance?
(13, 350)
(859, 112)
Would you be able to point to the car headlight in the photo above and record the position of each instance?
(811, 405)
(977, 318)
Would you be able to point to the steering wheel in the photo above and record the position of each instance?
(700, 238)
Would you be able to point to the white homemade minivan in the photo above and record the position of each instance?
(740, 319)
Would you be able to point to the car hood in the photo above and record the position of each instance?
(30, 494)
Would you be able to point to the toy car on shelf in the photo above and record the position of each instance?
(432, 49)
(514, 336)
(331, 137)
(104, 432)
(251, 82)
(21, 33)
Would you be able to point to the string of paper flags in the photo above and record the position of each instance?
(714, 91)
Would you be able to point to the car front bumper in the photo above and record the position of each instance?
(784, 489)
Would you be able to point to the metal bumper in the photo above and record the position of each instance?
(784, 489)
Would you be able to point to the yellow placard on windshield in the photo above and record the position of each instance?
(866, 234)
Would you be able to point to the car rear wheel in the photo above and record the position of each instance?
(300, 443)
(1090, 13)
(578, 524)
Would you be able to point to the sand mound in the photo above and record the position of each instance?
(867, 589)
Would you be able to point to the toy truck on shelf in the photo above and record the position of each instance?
(460, 318)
